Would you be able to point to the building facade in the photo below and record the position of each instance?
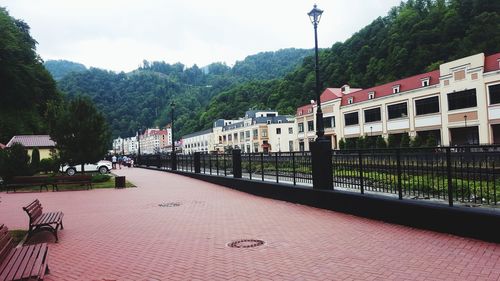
(458, 104)
(202, 141)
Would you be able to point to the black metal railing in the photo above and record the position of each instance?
(468, 175)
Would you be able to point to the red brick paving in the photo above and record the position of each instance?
(125, 235)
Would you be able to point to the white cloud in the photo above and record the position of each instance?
(118, 35)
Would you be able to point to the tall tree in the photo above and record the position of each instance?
(80, 132)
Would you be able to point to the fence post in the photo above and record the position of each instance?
(174, 161)
(158, 160)
(197, 163)
(322, 169)
(448, 174)
(262, 165)
(237, 163)
(293, 168)
(398, 167)
(276, 167)
(361, 179)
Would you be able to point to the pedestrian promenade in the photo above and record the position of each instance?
(176, 228)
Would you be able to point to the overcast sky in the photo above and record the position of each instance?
(119, 34)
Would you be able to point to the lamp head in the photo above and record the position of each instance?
(315, 15)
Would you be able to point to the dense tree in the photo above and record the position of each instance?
(35, 159)
(14, 161)
(26, 86)
(60, 68)
(80, 132)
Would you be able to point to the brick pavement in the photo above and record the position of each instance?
(125, 235)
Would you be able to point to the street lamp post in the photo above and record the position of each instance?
(174, 158)
(315, 16)
(139, 147)
(465, 120)
(321, 149)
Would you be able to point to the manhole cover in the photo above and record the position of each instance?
(245, 243)
(170, 204)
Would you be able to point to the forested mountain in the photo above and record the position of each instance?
(413, 38)
(59, 68)
(26, 87)
(142, 97)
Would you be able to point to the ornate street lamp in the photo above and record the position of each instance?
(315, 17)
(139, 147)
(174, 158)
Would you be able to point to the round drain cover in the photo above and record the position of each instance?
(245, 243)
(170, 204)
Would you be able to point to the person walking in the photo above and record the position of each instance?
(120, 160)
(113, 162)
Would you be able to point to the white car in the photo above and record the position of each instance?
(103, 167)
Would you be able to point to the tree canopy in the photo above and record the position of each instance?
(26, 86)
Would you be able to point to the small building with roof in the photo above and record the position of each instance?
(43, 142)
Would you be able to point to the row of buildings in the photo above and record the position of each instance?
(151, 141)
(457, 104)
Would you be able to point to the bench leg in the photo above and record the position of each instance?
(62, 227)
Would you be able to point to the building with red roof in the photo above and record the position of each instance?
(458, 104)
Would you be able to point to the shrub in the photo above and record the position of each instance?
(15, 162)
(35, 159)
(48, 165)
(405, 141)
(392, 141)
(100, 178)
(380, 142)
(431, 141)
(416, 141)
(342, 144)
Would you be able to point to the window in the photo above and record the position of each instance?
(255, 134)
(398, 110)
(494, 94)
(372, 115)
(350, 100)
(371, 95)
(242, 135)
(247, 134)
(426, 106)
(278, 131)
(230, 137)
(395, 89)
(268, 122)
(329, 122)
(290, 145)
(310, 125)
(235, 136)
(301, 127)
(463, 99)
(255, 147)
(264, 133)
(290, 130)
(279, 121)
(425, 82)
(351, 118)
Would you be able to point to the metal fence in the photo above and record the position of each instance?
(468, 175)
(461, 174)
(286, 167)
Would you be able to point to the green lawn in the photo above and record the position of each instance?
(17, 235)
(109, 183)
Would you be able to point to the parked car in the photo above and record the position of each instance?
(103, 167)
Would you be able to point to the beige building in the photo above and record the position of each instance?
(457, 104)
(202, 141)
(259, 131)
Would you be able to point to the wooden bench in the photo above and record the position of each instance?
(22, 263)
(20, 181)
(40, 221)
(76, 179)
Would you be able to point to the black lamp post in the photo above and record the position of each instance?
(315, 16)
(174, 158)
(465, 120)
(139, 147)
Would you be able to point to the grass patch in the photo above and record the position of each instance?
(98, 181)
(17, 235)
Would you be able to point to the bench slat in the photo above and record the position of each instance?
(16, 262)
(6, 265)
(40, 260)
(24, 262)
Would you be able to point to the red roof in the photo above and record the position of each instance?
(2, 146)
(405, 84)
(32, 141)
(492, 63)
(303, 110)
(335, 93)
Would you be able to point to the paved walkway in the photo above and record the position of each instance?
(126, 235)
